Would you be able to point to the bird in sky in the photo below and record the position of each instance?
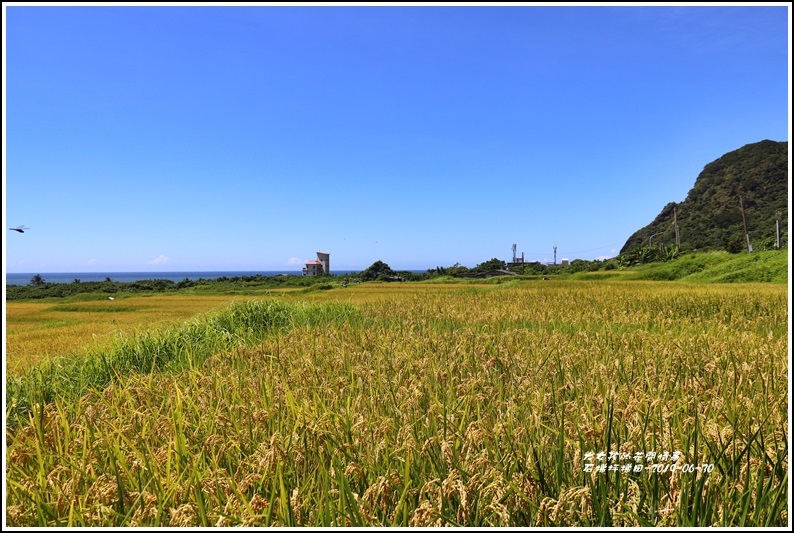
(20, 229)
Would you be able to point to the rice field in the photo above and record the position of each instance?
(37, 330)
(529, 403)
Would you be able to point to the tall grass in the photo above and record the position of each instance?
(36, 330)
(470, 407)
(173, 348)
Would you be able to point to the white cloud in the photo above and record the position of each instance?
(158, 260)
(91, 261)
(613, 253)
(294, 261)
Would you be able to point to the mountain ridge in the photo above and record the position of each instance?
(710, 218)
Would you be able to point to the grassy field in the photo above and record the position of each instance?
(525, 403)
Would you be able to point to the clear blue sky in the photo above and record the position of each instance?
(248, 138)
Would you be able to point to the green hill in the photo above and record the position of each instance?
(710, 218)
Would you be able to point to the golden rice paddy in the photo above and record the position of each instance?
(522, 404)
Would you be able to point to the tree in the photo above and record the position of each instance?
(453, 270)
(491, 264)
(376, 270)
(37, 280)
(734, 244)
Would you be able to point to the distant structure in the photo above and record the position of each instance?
(519, 263)
(555, 258)
(564, 262)
(322, 266)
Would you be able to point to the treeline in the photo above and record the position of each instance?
(39, 287)
(379, 271)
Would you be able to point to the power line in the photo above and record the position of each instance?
(594, 249)
(563, 253)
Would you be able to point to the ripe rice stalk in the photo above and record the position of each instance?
(423, 406)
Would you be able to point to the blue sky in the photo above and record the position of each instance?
(194, 138)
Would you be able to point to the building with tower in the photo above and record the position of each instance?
(321, 266)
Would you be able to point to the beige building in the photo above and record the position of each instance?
(319, 267)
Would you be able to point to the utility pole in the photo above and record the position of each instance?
(744, 220)
(652, 236)
(677, 236)
(555, 254)
(777, 230)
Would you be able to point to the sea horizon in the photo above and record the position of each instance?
(23, 278)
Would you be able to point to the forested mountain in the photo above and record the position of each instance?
(710, 218)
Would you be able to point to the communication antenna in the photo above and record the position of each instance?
(514, 253)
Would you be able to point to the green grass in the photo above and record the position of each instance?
(769, 266)
(720, 267)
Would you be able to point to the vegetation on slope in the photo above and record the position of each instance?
(710, 218)
(771, 266)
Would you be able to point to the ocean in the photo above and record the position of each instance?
(127, 277)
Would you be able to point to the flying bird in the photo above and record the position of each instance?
(20, 229)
